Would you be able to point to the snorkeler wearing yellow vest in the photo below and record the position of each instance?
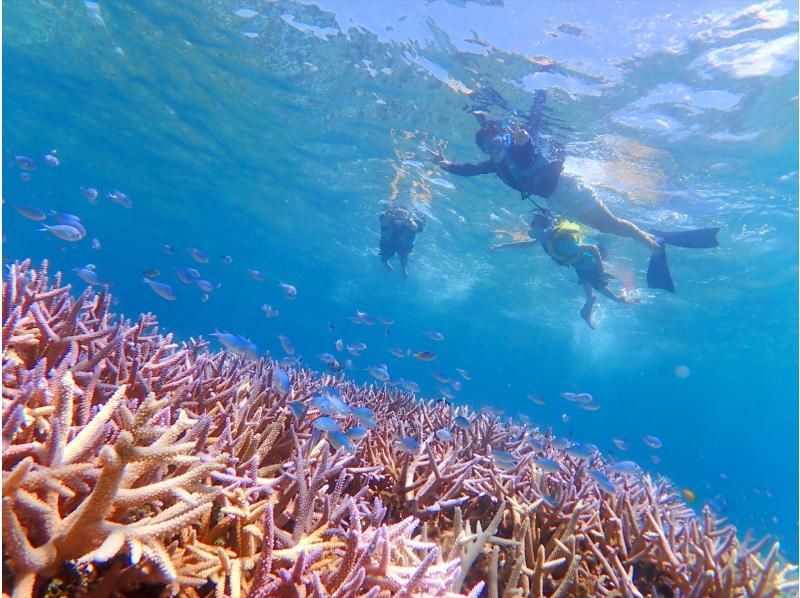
(562, 240)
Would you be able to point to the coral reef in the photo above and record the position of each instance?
(132, 462)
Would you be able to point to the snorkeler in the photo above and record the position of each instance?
(518, 161)
(562, 241)
(399, 228)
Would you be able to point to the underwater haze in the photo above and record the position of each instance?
(275, 133)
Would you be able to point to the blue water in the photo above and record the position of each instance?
(274, 139)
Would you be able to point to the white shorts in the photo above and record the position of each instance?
(573, 198)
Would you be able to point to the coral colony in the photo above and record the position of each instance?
(133, 463)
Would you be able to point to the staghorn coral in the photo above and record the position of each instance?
(130, 460)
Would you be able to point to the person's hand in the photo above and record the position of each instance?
(438, 157)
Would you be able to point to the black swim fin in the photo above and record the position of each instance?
(658, 276)
(701, 238)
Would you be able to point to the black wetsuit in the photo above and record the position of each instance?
(523, 169)
(396, 234)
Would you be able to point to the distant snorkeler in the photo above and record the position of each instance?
(399, 227)
(520, 162)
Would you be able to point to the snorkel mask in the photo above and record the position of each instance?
(497, 147)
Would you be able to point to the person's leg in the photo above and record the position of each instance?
(404, 265)
(599, 217)
(586, 311)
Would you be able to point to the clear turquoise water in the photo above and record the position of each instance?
(279, 150)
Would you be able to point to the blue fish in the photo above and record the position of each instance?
(183, 275)
(580, 451)
(560, 443)
(444, 435)
(120, 198)
(626, 467)
(434, 335)
(534, 443)
(411, 386)
(325, 424)
(24, 162)
(286, 344)
(168, 249)
(65, 232)
(620, 443)
(461, 421)
(379, 373)
(198, 255)
(399, 353)
(362, 413)
(193, 272)
(652, 441)
(503, 457)
(464, 374)
(548, 465)
(255, 275)
(356, 433)
(31, 212)
(297, 407)
(161, 289)
(204, 286)
(455, 384)
(365, 318)
(408, 444)
(236, 344)
(88, 275)
(339, 439)
(91, 194)
(226, 259)
(602, 481)
(439, 377)
(288, 290)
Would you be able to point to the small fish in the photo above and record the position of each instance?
(25, 163)
(439, 377)
(151, 273)
(269, 312)
(464, 374)
(434, 335)
(446, 392)
(655, 459)
(245, 13)
(411, 386)
(339, 344)
(534, 443)
(348, 363)
(226, 259)
(88, 275)
(408, 444)
(204, 285)
(356, 349)
(326, 358)
(168, 249)
(286, 344)
(365, 318)
(161, 289)
(96, 244)
(65, 232)
(455, 384)
(356, 433)
(325, 424)
(288, 290)
(24, 176)
(565, 418)
(536, 400)
(652, 441)
(183, 275)
(255, 275)
(626, 467)
(688, 494)
(570, 396)
(339, 439)
(70, 220)
(425, 355)
(620, 443)
(385, 321)
(298, 408)
(580, 451)
(205, 297)
(362, 414)
(503, 456)
(547, 465)
(198, 255)
(583, 397)
(52, 160)
(602, 481)
(444, 435)
(331, 327)
(236, 344)
(120, 198)
(461, 422)
(590, 407)
(560, 443)
(379, 373)
(91, 194)
(31, 212)
(193, 272)
(355, 319)
(290, 362)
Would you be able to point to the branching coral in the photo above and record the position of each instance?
(135, 460)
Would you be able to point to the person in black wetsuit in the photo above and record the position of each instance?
(517, 161)
(399, 228)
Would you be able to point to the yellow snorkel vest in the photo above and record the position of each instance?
(564, 230)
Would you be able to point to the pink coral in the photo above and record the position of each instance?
(133, 460)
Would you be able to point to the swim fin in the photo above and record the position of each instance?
(658, 276)
(701, 238)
